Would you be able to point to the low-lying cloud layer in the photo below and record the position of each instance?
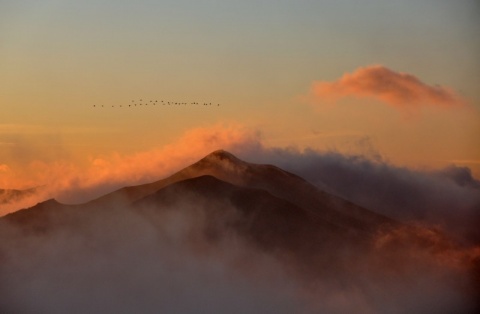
(121, 261)
(403, 91)
(449, 198)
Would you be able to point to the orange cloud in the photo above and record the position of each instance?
(400, 90)
(73, 182)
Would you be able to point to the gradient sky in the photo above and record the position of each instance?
(258, 59)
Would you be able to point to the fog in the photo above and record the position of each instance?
(164, 260)
(117, 261)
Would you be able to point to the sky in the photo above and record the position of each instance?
(395, 79)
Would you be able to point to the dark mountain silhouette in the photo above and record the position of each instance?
(278, 182)
(282, 188)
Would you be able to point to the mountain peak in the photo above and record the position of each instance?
(222, 158)
(222, 155)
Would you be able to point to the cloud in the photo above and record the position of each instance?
(74, 182)
(447, 197)
(403, 91)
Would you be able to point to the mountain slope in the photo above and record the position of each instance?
(260, 190)
(257, 213)
(276, 181)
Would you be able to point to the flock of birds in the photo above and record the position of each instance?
(142, 102)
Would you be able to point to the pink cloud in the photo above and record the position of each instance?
(400, 90)
(73, 182)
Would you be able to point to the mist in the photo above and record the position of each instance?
(118, 261)
(189, 256)
(447, 198)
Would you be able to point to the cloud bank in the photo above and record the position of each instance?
(74, 182)
(403, 91)
(448, 197)
(165, 260)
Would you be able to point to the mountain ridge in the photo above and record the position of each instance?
(228, 168)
